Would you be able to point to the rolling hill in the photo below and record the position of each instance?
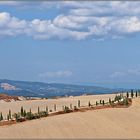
(40, 89)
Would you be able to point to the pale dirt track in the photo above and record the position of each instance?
(106, 123)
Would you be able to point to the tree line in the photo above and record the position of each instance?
(24, 115)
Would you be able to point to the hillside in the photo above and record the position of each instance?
(8, 98)
(40, 89)
(113, 123)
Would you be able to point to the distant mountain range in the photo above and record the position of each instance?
(47, 90)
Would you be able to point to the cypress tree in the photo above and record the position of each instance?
(38, 110)
(24, 113)
(89, 104)
(136, 94)
(21, 111)
(100, 101)
(8, 117)
(116, 98)
(9, 114)
(46, 109)
(103, 102)
(79, 103)
(127, 94)
(109, 101)
(30, 111)
(1, 116)
(132, 93)
(54, 107)
(16, 116)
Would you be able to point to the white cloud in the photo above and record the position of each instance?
(56, 74)
(126, 25)
(11, 26)
(11, 3)
(116, 8)
(129, 72)
(117, 74)
(78, 21)
(134, 71)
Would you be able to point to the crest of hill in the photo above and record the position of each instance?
(8, 98)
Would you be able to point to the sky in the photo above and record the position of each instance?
(87, 43)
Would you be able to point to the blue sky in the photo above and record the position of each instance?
(88, 43)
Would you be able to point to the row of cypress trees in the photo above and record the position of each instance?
(23, 112)
(89, 104)
(133, 94)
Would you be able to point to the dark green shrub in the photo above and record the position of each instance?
(66, 109)
(112, 103)
(125, 102)
(96, 103)
(16, 116)
(43, 114)
(36, 116)
(118, 97)
(29, 116)
(75, 108)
